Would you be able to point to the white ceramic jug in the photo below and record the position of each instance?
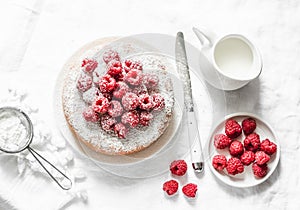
(228, 62)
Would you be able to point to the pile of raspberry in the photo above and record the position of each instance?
(178, 168)
(251, 151)
(125, 96)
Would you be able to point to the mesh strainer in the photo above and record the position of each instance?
(10, 145)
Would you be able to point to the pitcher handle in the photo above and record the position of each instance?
(205, 37)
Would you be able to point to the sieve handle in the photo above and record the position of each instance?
(64, 182)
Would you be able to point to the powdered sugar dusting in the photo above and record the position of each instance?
(13, 134)
(137, 138)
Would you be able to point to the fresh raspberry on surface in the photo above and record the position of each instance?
(146, 102)
(178, 167)
(170, 187)
(129, 65)
(90, 115)
(120, 130)
(268, 147)
(145, 118)
(110, 55)
(130, 118)
(107, 122)
(261, 157)
(84, 82)
(252, 142)
(234, 166)
(219, 162)
(259, 171)
(101, 104)
(133, 77)
(114, 68)
(107, 84)
(115, 109)
(130, 101)
(121, 89)
(158, 102)
(236, 148)
(190, 190)
(221, 141)
(150, 80)
(248, 125)
(89, 65)
(247, 157)
(232, 129)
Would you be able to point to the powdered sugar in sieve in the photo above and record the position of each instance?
(16, 134)
(14, 131)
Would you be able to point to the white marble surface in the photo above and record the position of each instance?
(38, 36)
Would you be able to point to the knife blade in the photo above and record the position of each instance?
(193, 132)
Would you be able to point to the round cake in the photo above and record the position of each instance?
(118, 99)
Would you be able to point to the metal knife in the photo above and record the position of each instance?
(193, 132)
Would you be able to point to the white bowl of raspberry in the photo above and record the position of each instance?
(243, 150)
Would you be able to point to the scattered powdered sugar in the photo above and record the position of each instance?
(54, 149)
(13, 134)
(137, 138)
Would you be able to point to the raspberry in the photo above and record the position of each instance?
(115, 109)
(139, 90)
(170, 187)
(120, 130)
(107, 122)
(110, 55)
(236, 148)
(248, 125)
(178, 167)
(89, 65)
(219, 162)
(107, 83)
(101, 104)
(259, 170)
(130, 118)
(234, 166)
(84, 82)
(121, 89)
(232, 129)
(130, 101)
(90, 115)
(133, 77)
(150, 80)
(247, 157)
(221, 141)
(146, 102)
(252, 142)
(129, 65)
(261, 157)
(268, 147)
(145, 118)
(190, 190)
(114, 68)
(158, 102)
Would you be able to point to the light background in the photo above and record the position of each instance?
(38, 36)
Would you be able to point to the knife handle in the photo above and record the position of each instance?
(195, 143)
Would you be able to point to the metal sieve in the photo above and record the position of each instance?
(24, 142)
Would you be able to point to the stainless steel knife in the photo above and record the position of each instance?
(193, 132)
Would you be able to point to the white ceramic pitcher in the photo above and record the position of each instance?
(228, 62)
